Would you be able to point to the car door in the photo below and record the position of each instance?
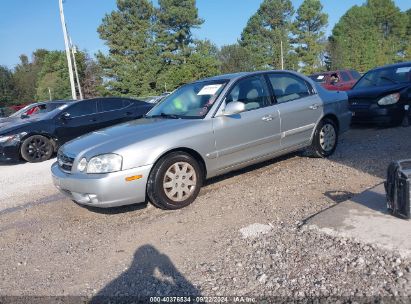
(252, 133)
(77, 119)
(299, 107)
(112, 111)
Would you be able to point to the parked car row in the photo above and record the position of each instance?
(201, 130)
(382, 95)
(37, 132)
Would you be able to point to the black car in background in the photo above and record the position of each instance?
(37, 137)
(32, 109)
(382, 95)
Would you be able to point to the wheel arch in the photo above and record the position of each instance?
(334, 118)
(197, 156)
(330, 116)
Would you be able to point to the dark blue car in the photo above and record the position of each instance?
(37, 137)
(382, 95)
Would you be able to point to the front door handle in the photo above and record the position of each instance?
(314, 106)
(267, 118)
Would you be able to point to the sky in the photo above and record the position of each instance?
(26, 25)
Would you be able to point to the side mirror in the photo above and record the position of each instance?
(65, 116)
(234, 107)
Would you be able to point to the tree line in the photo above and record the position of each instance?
(152, 48)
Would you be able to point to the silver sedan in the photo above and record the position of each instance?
(203, 129)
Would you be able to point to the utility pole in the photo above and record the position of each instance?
(74, 51)
(66, 43)
(282, 56)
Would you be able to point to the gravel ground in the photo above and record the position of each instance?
(54, 247)
(23, 181)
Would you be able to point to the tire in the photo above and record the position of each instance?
(36, 148)
(325, 139)
(168, 190)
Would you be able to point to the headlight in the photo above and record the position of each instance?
(389, 99)
(6, 138)
(105, 163)
(3, 139)
(82, 165)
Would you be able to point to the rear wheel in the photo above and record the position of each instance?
(36, 148)
(325, 138)
(175, 181)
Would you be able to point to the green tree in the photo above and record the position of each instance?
(201, 63)
(53, 77)
(7, 88)
(309, 27)
(392, 25)
(373, 34)
(264, 32)
(175, 21)
(235, 58)
(133, 63)
(407, 40)
(25, 78)
(354, 41)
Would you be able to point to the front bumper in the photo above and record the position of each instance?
(378, 115)
(10, 151)
(103, 190)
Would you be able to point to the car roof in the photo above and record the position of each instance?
(233, 76)
(395, 65)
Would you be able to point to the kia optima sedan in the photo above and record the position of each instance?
(201, 130)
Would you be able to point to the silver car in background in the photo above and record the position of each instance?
(203, 129)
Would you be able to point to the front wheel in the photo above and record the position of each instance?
(325, 138)
(36, 148)
(175, 181)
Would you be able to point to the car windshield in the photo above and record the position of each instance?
(193, 100)
(385, 76)
(21, 111)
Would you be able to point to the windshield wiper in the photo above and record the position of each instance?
(389, 79)
(164, 115)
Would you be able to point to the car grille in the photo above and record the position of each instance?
(65, 162)
(360, 104)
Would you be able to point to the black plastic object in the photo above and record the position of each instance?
(398, 188)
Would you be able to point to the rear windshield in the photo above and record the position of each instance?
(385, 76)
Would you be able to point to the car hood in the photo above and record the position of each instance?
(10, 124)
(115, 138)
(376, 92)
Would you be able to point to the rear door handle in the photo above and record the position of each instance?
(314, 106)
(267, 118)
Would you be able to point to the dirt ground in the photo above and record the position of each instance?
(51, 246)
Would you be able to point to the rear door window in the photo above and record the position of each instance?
(111, 104)
(82, 108)
(288, 87)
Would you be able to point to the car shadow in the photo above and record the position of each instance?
(368, 198)
(151, 274)
(116, 210)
